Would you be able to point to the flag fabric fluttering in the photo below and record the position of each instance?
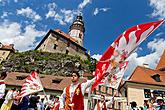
(113, 80)
(31, 85)
(121, 48)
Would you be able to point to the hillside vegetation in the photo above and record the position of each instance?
(47, 63)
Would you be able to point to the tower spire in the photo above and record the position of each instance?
(77, 29)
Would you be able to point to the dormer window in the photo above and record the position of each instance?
(156, 77)
(20, 77)
(56, 80)
(162, 69)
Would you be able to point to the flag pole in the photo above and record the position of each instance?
(89, 98)
(113, 101)
(45, 94)
(42, 85)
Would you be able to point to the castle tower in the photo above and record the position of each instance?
(77, 30)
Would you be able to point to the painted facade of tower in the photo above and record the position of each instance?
(77, 30)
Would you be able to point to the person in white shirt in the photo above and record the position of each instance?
(8, 100)
(2, 84)
(72, 97)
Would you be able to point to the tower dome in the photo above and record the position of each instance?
(77, 30)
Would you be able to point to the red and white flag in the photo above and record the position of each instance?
(122, 47)
(31, 85)
(114, 80)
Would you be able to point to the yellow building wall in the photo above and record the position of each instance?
(135, 92)
(3, 55)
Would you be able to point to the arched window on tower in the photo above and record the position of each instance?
(80, 35)
(3, 53)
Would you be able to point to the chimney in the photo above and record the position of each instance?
(12, 45)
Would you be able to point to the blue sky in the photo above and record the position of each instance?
(25, 22)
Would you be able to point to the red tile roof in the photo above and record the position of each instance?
(45, 79)
(87, 75)
(161, 64)
(8, 47)
(143, 75)
(62, 34)
(65, 35)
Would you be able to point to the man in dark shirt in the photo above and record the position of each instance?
(33, 102)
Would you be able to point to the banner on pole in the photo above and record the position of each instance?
(121, 48)
(31, 85)
(114, 80)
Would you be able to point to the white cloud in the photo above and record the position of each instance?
(69, 15)
(96, 56)
(28, 12)
(5, 14)
(159, 34)
(11, 33)
(50, 14)
(157, 46)
(59, 18)
(51, 8)
(56, 16)
(159, 8)
(83, 4)
(15, 1)
(3, 2)
(97, 10)
(64, 16)
(104, 9)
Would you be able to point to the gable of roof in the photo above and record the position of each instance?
(8, 47)
(144, 75)
(63, 35)
(161, 64)
(49, 82)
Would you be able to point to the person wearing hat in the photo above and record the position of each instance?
(72, 97)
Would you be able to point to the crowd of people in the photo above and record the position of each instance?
(154, 103)
(72, 98)
(13, 101)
